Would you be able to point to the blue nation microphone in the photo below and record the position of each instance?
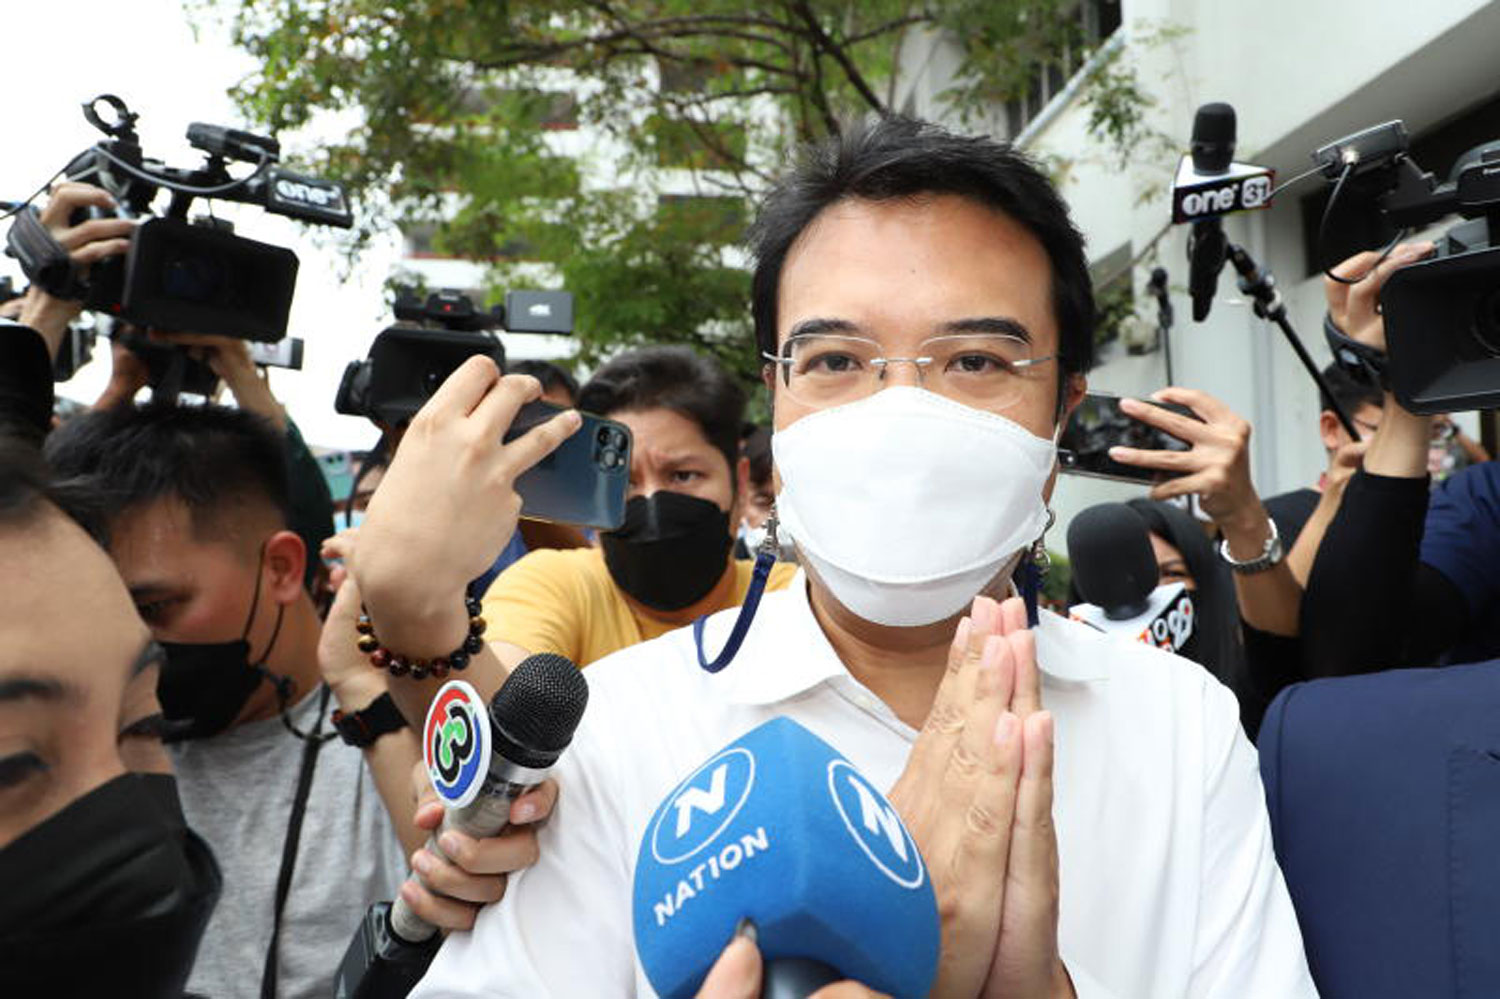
(780, 829)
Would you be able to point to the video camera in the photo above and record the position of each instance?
(433, 336)
(181, 275)
(1442, 315)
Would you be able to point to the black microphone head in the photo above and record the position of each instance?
(1158, 282)
(1113, 563)
(1213, 138)
(534, 713)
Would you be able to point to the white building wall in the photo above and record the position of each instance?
(1299, 73)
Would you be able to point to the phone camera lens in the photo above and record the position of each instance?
(604, 436)
(609, 458)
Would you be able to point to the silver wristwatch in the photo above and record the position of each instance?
(1269, 556)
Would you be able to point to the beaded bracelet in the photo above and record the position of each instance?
(420, 669)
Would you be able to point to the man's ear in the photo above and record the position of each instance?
(1074, 389)
(1330, 430)
(286, 559)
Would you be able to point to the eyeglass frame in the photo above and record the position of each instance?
(883, 363)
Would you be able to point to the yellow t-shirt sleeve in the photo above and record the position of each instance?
(534, 603)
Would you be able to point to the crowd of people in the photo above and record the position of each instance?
(205, 784)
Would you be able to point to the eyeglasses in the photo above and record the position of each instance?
(985, 370)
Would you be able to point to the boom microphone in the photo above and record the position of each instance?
(778, 828)
(480, 761)
(1209, 185)
(1114, 568)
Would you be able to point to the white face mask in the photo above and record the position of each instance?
(907, 503)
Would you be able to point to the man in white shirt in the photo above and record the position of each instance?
(924, 307)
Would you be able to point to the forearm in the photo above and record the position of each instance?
(254, 395)
(1356, 613)
(1270, 600)
(1399, 447)
(390, 759)
(1300, 559)
(49, 316)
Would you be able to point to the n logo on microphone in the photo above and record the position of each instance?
(875, 826)
(703, 806)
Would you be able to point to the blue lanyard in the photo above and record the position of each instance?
(765, 558)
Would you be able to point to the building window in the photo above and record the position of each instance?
(1096, 21)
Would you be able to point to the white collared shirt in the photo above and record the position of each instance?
(1169, 886)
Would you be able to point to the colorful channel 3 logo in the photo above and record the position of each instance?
(456, 743)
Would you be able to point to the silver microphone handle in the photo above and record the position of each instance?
(485, 816)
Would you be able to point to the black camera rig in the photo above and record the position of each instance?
(1442, 314)
(432, 337)
(177, 274)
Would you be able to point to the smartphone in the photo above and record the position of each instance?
(1099, 424)
(584, 481)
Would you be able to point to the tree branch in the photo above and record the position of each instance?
(851, 72)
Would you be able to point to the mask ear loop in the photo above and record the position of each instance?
(765, 558)
(282, 684)
(1034, 569)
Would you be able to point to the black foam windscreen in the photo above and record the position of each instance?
(538, 708)
(1113, 564)
(1213, 138)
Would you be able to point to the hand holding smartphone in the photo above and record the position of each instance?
(1099, 424)
(582, 482)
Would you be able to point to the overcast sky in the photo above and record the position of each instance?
(61, 53)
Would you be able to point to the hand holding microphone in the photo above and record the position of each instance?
(487, 764)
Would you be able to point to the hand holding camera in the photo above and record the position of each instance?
(448, 505)
(1354, 308)
(86, 240)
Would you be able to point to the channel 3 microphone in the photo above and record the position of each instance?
(780, 829)
(1208, 185)
(1114, 568)
(480, 760)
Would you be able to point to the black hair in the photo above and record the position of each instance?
(895, 157)
(28, 489)
(677, 378)
(214, 459)
(1350, 390)
(1220, 649)
(550, 375)
(757, 448)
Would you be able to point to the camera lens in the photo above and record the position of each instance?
(609, 458)
(604, 436)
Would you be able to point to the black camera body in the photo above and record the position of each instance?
(408, 361)
(180, 275)
(1442, 314)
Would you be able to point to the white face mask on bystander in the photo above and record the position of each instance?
(906, 503)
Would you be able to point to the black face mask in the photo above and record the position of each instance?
(109, 896)
(670, 551)
(204, 685)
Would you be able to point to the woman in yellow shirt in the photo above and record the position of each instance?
(672, 560)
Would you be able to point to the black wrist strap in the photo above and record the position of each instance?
(361, 728)
(1359, 359)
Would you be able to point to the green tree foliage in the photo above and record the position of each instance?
(454, 101)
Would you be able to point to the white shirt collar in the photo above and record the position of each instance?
(786, 653)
